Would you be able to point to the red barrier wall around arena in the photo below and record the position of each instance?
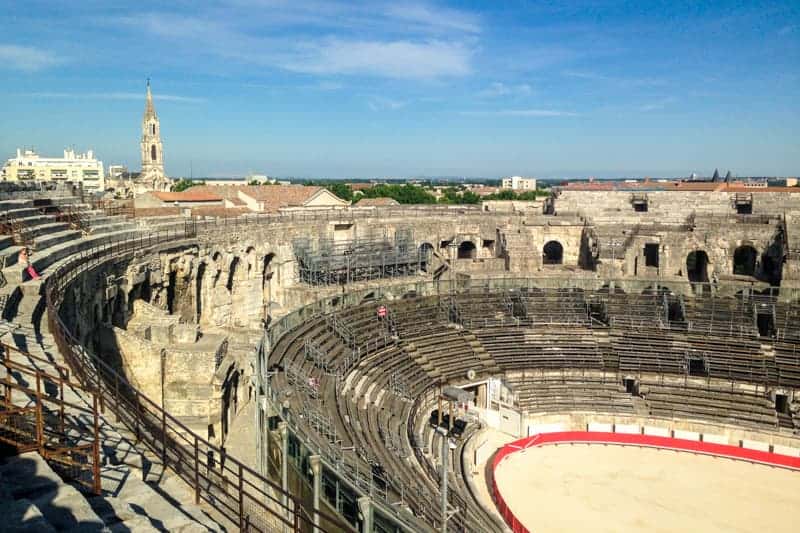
(626, 439)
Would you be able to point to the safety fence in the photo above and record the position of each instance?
(627, 439)
(35, 417)
(238, 493)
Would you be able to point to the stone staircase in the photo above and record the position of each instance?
(137, 493)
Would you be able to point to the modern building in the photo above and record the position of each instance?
(73, 167)
(518, 183)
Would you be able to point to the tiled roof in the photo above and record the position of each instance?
(377, 202)
(275, 197)
(189, 195)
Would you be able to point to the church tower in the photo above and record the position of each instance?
(152, 150)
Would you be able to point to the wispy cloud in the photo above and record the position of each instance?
(658, 104)
(626, 82)
(434, 18)
(118, 96)
(378, 103)
(540, 113)
(407, 57)
(497, 89)
(395, 59)
(27, 58)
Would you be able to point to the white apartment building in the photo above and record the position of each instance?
(73, 167)
(518, 183)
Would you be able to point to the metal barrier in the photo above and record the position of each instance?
(44, 426)
(238, 493)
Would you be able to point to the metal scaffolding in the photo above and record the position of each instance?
(333, 262)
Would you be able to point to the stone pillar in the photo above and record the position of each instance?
(365, 507)
(316, 471)
(283, 431)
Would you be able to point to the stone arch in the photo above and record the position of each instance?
(745, 258)
(266, 281)
(153, 153)
(553, 253)
(232, 273)
(250, 253)
(198, 295)
(369, 297)
(425, 249)
(697, 266)
(467, 250)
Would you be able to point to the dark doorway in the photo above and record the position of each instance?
(640, 207)
(744, 209)
(466, 250)
(697, 366)
(173, 276)
(232, 274)
(766, 324)
(631, 386)
(744, 261)
(553, 253)
(781, 404)
(425, 251)
(651, 254)
(697, 266)
(198, 296)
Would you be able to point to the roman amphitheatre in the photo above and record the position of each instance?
(607, 358)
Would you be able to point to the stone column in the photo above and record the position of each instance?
(365, 507)
(316, 471)
(283, 431)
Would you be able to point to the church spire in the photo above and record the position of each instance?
(149, 109)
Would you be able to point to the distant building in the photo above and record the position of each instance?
(791, 182)
(116, 172)
(152, 177)
(377, 202)
(188, 198)
(272, 198)
(518, 183)
(75, 168)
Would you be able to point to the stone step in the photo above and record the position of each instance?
(6, 205)
(55, 237)
(28, 476)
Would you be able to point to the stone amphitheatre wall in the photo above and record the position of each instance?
(232, 276)
(672, 205)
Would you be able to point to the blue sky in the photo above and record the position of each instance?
(376, 89)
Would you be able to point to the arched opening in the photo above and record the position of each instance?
(153, 128)
(232, 273)
(553, 253)
(251, 252)
(266, 276)
(153, 153)
(173, 278)
(198, 297)
(425, 250)
(466, 250)
(744, 261)
(697, 266)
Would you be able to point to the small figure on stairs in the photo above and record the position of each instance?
(25, 259)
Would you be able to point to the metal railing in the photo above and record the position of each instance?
(238, 493)
(46, 423)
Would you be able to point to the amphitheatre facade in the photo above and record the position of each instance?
(321, 369)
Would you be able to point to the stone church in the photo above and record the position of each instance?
(152, 177)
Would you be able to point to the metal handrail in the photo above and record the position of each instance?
(237, 492)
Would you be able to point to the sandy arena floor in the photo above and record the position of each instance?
(611, 488)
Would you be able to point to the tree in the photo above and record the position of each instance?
(342, 190)
(404, 194)
(183, 184)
